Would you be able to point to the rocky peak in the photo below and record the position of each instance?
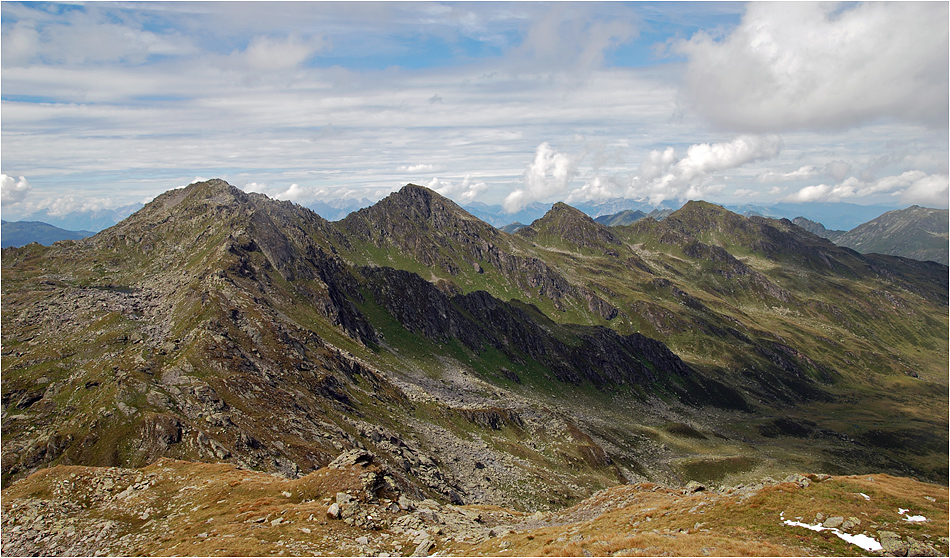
(417, 218)
(418, 204)
(572, 225)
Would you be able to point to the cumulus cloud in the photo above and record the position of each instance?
(549, 174)
(797, 65)
(911, 187)
(664, 176)
(929, 191)
(295, 192)
(465, 191)
(13, 191)
(598, 187)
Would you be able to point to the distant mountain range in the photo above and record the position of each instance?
(21, 233)
(917, 232)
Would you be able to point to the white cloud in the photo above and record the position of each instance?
(663, 176)
(807, 171)
(598, 187)
(13, 191)
(657, 163)
(416, 168)
(465, 191)
(797, 65)
(838, 169)
(88, 36)
(549, 174)
(911, 186)
(266, 53)
(572, 35)
(929, 191)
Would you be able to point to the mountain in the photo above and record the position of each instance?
(625, 217)
(21, 233)
(817, 228)
(336, 209)
(917, 232)
(525, 370)
(837, 215)
(599, 208)
(84, 220)
(496, 215)
(511, 228)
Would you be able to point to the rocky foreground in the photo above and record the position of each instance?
(353, 507)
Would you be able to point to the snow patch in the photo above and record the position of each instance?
(910, 518)
(867, 543)
(866, 497)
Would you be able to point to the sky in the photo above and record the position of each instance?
(108, 104)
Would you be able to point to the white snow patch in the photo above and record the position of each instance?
(867, 543)
(910, 518)
(866, 497)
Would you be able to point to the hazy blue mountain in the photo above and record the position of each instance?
(840, 216)
(495, 214)
(334, 210)
(90, 220)
(21, 233)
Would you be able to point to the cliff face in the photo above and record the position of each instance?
(478, 366)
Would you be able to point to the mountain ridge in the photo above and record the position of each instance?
(216, 324)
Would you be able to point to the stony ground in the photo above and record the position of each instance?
(353, 508)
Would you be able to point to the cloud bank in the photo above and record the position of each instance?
(911, 187)
(664, 175)
(811, 65)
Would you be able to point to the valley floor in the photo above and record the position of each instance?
(352, 507)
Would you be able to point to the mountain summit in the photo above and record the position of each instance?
(570, 225)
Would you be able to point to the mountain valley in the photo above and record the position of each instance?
(478, 368)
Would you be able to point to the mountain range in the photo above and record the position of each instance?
(920, 233)
(527, 370)
(21, 233)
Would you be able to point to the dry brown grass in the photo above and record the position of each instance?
(218, 510)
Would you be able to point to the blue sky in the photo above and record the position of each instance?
(106, 104)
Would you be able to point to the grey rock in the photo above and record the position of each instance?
(833, 522)
(352, 457)
(423, 548)
(891, 544)
(333, 512)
